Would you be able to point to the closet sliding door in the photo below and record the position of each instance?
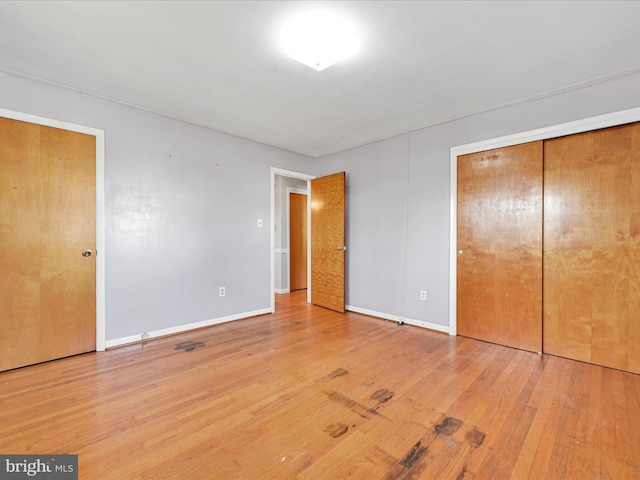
(581, 247)
(592, 247)
(500, 246)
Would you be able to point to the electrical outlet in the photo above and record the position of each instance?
(423, 295)
(222, 292)
(259, 223)
(145, 335)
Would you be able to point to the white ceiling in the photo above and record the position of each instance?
(218, 64)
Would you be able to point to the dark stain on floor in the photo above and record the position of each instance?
(416, 460)
(339, 372)
(336, 430)
(355, 407)
(342, 399)
(448, 427)
(475, 437)
(189, 345)
(382, 395)
(462, 473)
(414, 454)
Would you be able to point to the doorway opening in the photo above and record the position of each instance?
(285, 183)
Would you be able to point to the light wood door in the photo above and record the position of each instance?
(499, 265)
(328, 241)
(47, 219)
(592, 247)
(297, 241)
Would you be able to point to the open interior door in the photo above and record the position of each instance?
(328, 241)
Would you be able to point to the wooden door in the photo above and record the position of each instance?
(47, 219)
(592, 247)
(499, 242)
(328, 241)
(297, 241)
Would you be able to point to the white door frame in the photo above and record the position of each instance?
(100, 227)
(301, 176)
(569, 128)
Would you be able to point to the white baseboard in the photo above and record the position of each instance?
(282, 290)
(372, 313)
(183, 328)
(123, 341)
(397, 318)
(428, 325)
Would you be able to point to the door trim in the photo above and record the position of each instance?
(559, 130)
(100, 217)
(302, 176)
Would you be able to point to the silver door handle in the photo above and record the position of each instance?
(343, 248)
(87, 253)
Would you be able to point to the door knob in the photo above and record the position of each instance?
(343, 248)
(87, 253)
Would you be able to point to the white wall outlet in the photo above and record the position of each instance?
(222, 291)
(423, 295)
(259, 223)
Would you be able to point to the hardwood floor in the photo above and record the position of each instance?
(307, 393)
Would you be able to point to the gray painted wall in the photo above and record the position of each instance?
(182, 203)
(376, 209)
(181, 209)
(408, 177)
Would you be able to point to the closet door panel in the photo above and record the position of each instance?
(592, 247)
(499, 245)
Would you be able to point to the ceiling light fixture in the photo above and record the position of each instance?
(319, 39)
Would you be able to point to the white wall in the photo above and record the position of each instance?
(181, 209)
(388, 266)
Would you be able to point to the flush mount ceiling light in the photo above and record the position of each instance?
(319, 39)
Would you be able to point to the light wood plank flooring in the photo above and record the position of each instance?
(311, 394)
